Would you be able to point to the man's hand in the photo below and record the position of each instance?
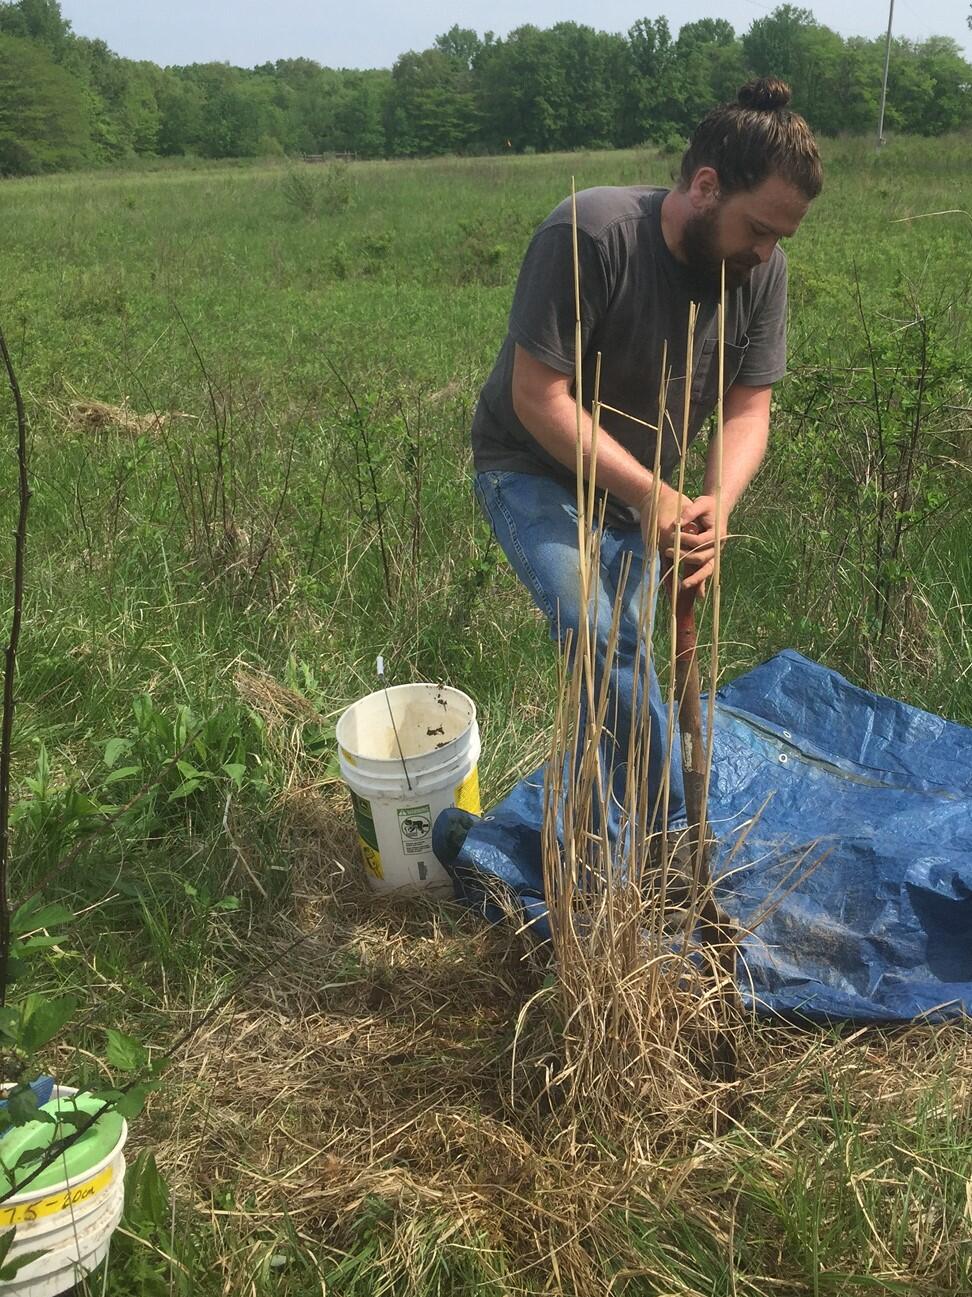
(658, 527)
(698, 540)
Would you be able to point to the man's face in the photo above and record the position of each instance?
(742, 228)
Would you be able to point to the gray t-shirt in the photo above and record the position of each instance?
(634, 297)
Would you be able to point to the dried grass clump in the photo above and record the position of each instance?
(99, 416)
(277, 704)
(625, 1041)
(286, 715)
(83, 414)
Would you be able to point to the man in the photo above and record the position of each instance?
(747, 179)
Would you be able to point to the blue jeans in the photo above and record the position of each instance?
(535, 521)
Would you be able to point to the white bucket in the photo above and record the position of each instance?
(401, 781)
(72, 1224)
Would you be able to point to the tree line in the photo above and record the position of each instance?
(67, 100)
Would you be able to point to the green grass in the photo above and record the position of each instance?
(306, 507)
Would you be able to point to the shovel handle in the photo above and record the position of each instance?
(688, 691)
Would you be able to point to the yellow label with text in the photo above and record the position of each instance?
(61, 1200)
(467, 793)
(371, 858)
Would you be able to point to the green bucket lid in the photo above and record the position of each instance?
(35, 1137)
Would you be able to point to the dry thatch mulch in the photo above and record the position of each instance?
(376, 1065)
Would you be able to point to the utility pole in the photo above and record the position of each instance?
(884, 85)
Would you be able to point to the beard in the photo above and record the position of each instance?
(703, 256)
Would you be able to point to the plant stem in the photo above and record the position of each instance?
(10, 663)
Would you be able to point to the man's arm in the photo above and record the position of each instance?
(543, 403)
(745, 432)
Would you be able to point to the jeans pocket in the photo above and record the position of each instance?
(485, 488)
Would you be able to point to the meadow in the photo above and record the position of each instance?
(249, 391)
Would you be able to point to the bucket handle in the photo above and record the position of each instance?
(380, 665)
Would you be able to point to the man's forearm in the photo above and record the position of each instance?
(553, 423)
(744, 441)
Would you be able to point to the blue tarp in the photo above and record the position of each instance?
(880, 928)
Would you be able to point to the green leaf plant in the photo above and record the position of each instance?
(32, 1020)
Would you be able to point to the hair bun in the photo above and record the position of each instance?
(764, 95)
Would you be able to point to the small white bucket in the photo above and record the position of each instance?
(71, 1224)
(407, 753)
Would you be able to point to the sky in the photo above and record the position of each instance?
(372, 33)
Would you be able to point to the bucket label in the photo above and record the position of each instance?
(364, 820)
(415, 827)
(367, 834)
(371, 858)
(60, 1200)
(467, 793)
